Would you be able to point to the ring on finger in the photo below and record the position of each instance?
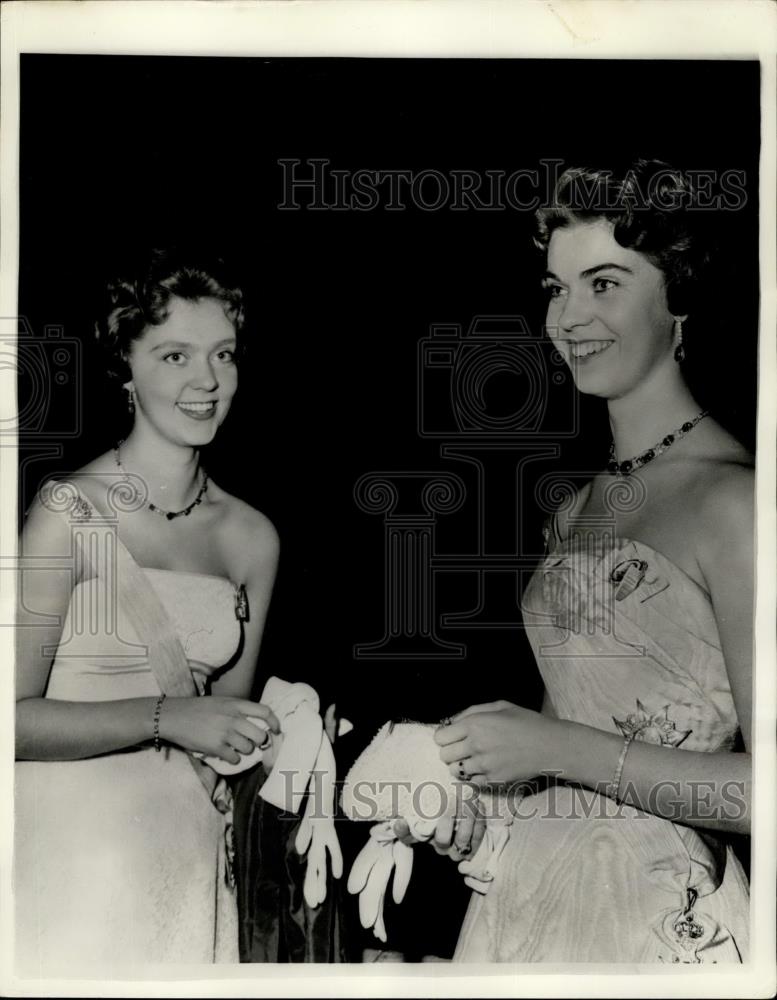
(266, 742)
(462, 772)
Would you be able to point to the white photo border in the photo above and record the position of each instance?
(580, 29)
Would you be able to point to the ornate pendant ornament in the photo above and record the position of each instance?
(687, 940)
(650, 727)
(628, 574)
(629, 465)
(241, 603)
(169, 514)
(81, 509)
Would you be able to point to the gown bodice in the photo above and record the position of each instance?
(100, 656)
(627, 642)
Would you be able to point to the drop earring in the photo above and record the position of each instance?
(130, 396)
(679, 351)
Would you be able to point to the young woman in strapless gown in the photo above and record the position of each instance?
(640, 617)
(121, 855)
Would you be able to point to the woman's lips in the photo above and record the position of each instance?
(198, 411)
(586, 349)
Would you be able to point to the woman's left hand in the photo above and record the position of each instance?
(457, 836)
(497, 743)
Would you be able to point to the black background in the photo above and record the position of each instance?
(118, 151)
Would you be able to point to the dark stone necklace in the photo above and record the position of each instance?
(169, 514)
(629, 465)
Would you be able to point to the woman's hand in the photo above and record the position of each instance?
(457, 836)
(498, 743)
(215, 725)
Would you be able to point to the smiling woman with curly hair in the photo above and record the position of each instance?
(153, 584)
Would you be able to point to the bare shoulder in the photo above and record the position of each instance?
(724, 498)
(59, 503)
(716, 474)
(728, 492)
(249, 535)
(724, 480)
(94, 480)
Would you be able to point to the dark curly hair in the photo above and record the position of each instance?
(139, 297)
(651, 207)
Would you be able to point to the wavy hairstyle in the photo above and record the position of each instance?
(139, 297)
(651, 207)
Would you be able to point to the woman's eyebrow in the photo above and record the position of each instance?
(167, 344)
(605, 267)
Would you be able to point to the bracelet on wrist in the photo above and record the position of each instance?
(612, 789)
(157, 713)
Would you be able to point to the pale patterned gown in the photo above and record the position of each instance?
(626, 642)
(121, 859)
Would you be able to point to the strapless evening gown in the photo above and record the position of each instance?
(121, 859)
(626, 642)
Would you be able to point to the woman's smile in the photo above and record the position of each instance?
(199, 411)
(586, 349)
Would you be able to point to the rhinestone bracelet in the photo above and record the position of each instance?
(612, 789)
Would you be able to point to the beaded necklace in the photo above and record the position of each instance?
(169, 514)
(629, 465)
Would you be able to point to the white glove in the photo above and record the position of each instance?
(304, 766)
(370, 873)
(316, 833)
(296, 706)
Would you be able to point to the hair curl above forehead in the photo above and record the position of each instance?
(650, 205)
(139, 296)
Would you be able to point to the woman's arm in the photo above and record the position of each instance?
(501, 743)
(726, 558)
(49, 729)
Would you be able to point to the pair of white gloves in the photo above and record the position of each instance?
(384, 854)
(303, 771)
(400, 775)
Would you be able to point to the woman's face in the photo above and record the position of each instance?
(607, 312)
(184, 371)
